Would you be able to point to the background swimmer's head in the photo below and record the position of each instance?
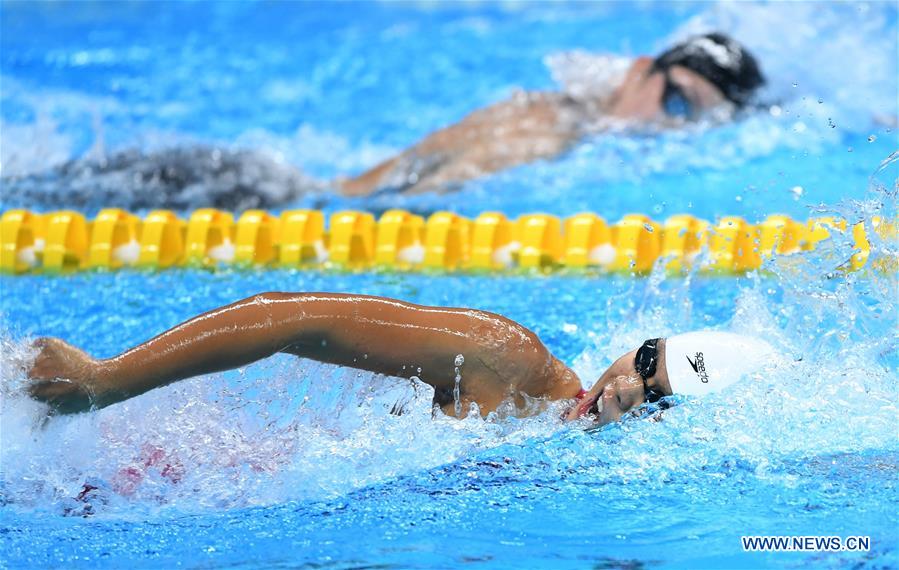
(720, 60)
(705, 76)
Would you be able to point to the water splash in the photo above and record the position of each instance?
(457, 386)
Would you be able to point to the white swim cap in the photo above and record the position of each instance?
(699, 363)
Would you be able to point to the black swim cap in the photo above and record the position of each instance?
(719, 59)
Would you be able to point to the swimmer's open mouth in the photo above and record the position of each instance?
(589, 406)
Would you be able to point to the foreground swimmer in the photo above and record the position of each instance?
(709, 75)
(496, 359)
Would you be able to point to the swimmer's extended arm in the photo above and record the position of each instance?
(524, 128)
(371, 333)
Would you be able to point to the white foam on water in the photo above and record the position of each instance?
(279, 430)
(317, 151)
(587, 75)
(63, 120)
(32, 147)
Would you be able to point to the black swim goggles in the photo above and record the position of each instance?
(675, 102)
(645, 363)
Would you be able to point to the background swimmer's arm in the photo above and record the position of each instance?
(371, 333)
(524, 128)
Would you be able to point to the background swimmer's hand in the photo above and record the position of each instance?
(63, 377)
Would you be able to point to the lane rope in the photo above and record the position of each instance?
(65, 241)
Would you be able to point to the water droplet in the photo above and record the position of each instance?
(738, 198)
(795, 84)
(648, 227)
(820, 101)
(457, 388)
(849, 149)
(872, 138)
(830, 122)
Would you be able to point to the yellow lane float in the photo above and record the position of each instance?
(637, 244)
(446, 241)
(161, 240)
(352, 238)
(399, 240)
(683, 238)
(66, 242)
(210, 237)
(588, 241)
(22, 240)
(493, 242)
(302, 238)
(114, 239)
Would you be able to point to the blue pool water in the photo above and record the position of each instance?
(289, 464)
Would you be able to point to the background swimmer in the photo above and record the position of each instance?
(181, 178)
(707, 76)
(468, 356)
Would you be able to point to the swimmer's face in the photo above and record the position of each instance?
(612, 398)
(618, 391)
(659, 96)
(687, 94)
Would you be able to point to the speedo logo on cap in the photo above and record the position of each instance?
(699, 367)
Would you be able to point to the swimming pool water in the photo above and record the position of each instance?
(283, 463)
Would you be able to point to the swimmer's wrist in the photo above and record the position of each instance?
(105, 384)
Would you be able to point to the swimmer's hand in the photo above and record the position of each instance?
(64, 377)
